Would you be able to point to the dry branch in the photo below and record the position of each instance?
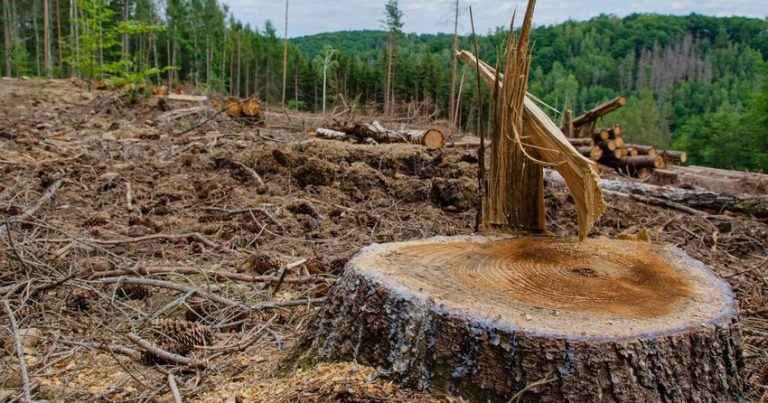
(216, 274)
(166, 355)
(47, 195)
(19, 351)
(195, 236)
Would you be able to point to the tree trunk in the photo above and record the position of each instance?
(285, 53)
(454, 63)
(538, 318)
(59, 39)
(7, 37)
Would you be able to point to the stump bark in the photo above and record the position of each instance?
(556, 320)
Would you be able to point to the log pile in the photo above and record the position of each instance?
(608, 146)
(375, 133)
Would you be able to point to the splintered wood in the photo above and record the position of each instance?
(545, 140)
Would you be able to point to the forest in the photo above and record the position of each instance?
(695, 82)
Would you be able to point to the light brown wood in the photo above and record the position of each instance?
(251, 108)
(233, 107)
(643, 149)
(674, 156)
(580, 173)
(599, 111)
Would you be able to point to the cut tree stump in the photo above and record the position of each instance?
(487, 317)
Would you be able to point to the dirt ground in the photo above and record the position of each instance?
(221, 208)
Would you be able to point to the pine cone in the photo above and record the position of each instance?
(80, 299)
(260, 264)
(134, 291)
(179, 331)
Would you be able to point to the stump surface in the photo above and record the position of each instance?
(599, 320)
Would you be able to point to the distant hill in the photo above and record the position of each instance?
(689, 79)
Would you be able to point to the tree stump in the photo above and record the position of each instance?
(546, 319)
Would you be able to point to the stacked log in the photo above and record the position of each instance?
(608, 147)
(375, 133)
(248, 109)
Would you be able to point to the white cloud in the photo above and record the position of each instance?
(308, 17)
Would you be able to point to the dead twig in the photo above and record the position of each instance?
(196, 236)
(171, 286)
(216, 274)
(112, 348)
(19, 352)
(166, 355)
(174, 389)
(246, 211)
(47, 195)
(284, 271)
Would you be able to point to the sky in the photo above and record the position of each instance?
(307, 17)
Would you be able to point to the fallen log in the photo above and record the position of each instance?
(674, 156)
(366, 132)
(180, 101)
(722, 180)
(703, 200)
(599, 111)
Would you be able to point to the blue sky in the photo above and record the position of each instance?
(308, 17)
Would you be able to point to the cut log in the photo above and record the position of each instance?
(601, 134)
(433, 139)
(674, 156)
(642, 149)
(599, 111)
(704, 200)
(619, 140)
(638, 162)
(488, 317)
(251, 108)
(632, 151)
(594, 153)
(364, 132)
(722, 180)
(581, 142)
(180, 101)
(233, 107)
(664, 177)
(607, 145)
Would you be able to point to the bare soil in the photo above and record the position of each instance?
(184, 201)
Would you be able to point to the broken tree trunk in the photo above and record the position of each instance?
(599, 111)
(486, 317)
(579, 172)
